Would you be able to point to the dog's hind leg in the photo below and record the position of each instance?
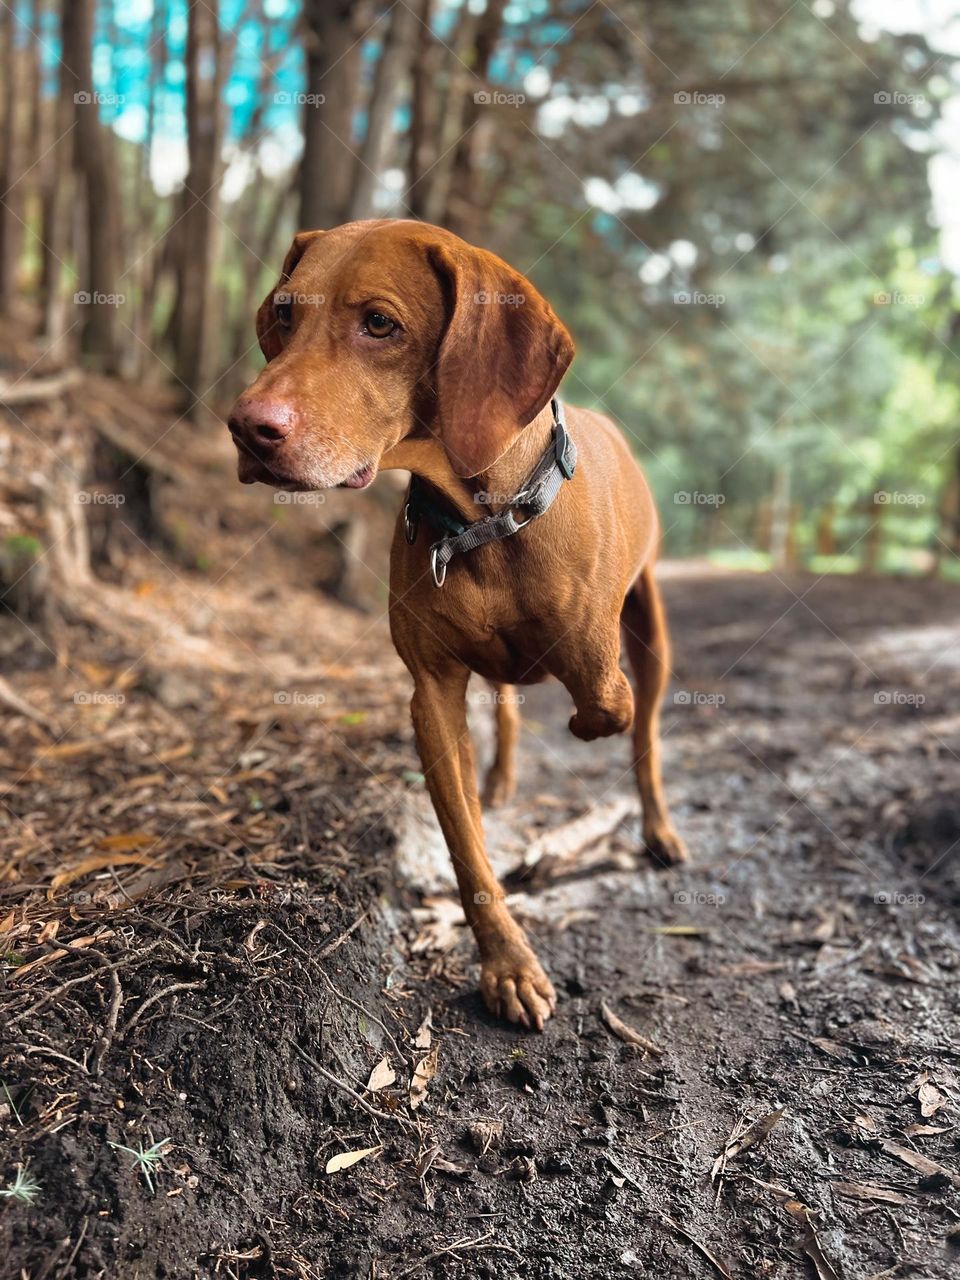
(648, 648)
(501, 780)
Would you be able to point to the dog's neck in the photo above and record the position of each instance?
(426, 457)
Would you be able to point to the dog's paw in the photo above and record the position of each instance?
(665, 846)
(499, 788)
(514, 987)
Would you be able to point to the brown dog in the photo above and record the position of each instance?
(396, 344)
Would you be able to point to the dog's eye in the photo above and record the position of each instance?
(284, 312)
(377, 325)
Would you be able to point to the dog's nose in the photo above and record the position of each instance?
(260, 424)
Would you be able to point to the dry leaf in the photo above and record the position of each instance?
(928, 1096)
(626, 1033)
(347, 1158)
(99, 862)
(926, 1130)
(751, 1137)
(922, 1164)
(22, 970)
(381, 1076)
(125, 843)
(811, 1242)
(485, 1134)
(424, 1033)
(426, 1070)
(867, 1191)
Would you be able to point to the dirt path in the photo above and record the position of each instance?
(806, 960)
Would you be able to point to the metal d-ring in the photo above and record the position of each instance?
(439, 573)
(411, 525)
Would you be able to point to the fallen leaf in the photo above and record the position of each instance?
(347, 1158)
(751, 1137)
(811, 1242)
(922, 1164)
(51, 956)
(125, 843)
(926, 1130)
(680, 931)
(98, 862)
(627, 1033)
(485, 1134)
(381, 1076)
(867, 1191)
(424, 1073)
(701, 1248)
(928, 1096)
(424, 1036)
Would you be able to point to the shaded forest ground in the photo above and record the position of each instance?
(224, 904)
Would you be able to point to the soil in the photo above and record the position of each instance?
(258, 917)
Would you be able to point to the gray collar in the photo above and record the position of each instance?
(539, 492)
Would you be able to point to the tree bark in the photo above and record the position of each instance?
(333, 36)
(96, 166)
(392, 69)
(461, 200)
(196, 229)
(10, 207)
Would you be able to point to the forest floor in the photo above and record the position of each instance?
(224, 903)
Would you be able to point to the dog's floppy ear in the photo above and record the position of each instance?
(501, 358)
(269, 333)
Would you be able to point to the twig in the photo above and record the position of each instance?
(338, 942)
(154, 999)
(701, 1248)
(341, 1084)
(116, 1000)
(16, 703)
(458, 1246)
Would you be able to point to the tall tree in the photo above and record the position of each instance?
(333, 36)
(196, 230)
(95, 163)
(10, 141)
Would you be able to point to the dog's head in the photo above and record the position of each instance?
(381, 330)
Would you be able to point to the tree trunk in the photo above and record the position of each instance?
(780, 518)
(392, 69)
(333, 36)
(96, 165)
(11, 205)
(196, 229)
(461, 201)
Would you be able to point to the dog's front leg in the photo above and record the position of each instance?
(513, 984)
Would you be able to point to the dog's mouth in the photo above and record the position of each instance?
(253, 470)
(361, 477)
